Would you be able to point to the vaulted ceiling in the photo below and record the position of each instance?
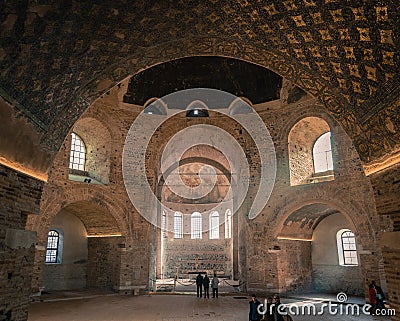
(58, 56)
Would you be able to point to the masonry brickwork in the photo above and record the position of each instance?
(19, 196)
(386, 189)
(260, 266)
(61, 72)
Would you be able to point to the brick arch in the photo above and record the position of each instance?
(195, 159)
(356, 216)
(87, 194)
(172, 125)
(264, 56)
(95, 133)
(313, 111)
(217, 164)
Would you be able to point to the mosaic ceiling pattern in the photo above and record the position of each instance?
(56, 57)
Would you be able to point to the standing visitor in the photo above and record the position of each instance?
(278, 308)
(199, 284)
(214, 285)
(253, 313)
(206, 284)
(380, 296)
(372, 298)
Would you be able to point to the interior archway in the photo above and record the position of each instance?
(62, 58)
(90, 252)
(187, 255)
(302, 138)
(309, 249)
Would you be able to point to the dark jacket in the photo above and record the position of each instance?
(253, 314)
(206, 282)
(269, 315)
(199, 280)
(278, 308)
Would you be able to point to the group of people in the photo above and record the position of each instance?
(376, 297)
(204, 282)
(271, 311)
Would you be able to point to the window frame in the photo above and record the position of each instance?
(344, 248)
(328, 161)
(196, 229)
(76, 162)
(164, 224)
(214, 226)
(56, 233)
(228, 224)
(178, 229)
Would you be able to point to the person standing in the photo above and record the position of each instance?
(199, 284)
(254, 315)
(206, 284)
(214, 285)
(380, 296)
(278, 308)
(268, 316)
(372, 298)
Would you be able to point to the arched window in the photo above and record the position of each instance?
(178, 225)
(214, 225)
(228, 224)
(54, 247)
(322, 154)
(347, 249)
(196, 225)
(77, 156)
(164, 223)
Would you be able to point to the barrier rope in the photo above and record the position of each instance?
(223, 281)
(233, 285)
(177, 281)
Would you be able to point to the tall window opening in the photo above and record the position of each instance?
(310, 153)
(228, 224)
(347, 249)
(322, 154)
(54, 246)
(214, 225)
(78, 153)
(164, 224)
(196, 229)
(178, 225)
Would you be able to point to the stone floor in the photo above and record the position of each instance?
(167, 307)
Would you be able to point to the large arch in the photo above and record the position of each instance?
(264, 56)
(312, 230)
(48, 83)
(359, 221)
(356, 215)
(51, 207)
(214, 46)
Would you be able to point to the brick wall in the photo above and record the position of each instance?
(275, 265)
(294, 266)
(212, 255)
(260, 260)
(104, 262)
(386, 186)
(19, 195)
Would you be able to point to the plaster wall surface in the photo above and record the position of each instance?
(328, 275)
(71, 272)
